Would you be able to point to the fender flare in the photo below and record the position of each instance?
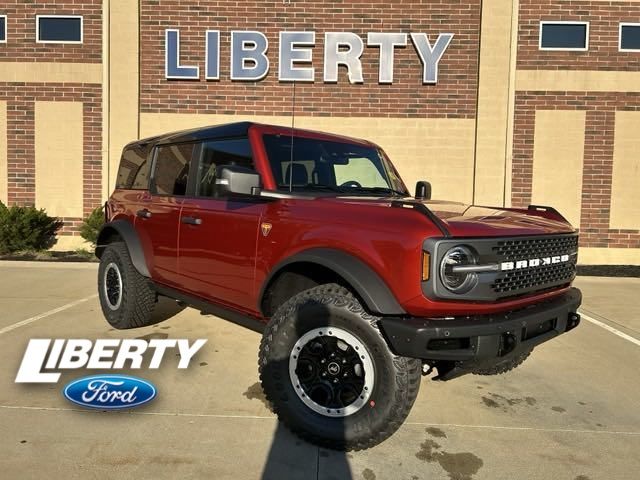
(125, 230)
(372, 289)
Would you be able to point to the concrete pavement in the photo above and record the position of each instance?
(570, 412)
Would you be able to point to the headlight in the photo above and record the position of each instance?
(460, 281)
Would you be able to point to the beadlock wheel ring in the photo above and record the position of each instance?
(112, 286)
(347, 371)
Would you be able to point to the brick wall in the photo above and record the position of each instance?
(598, 157)
(454, 96)
(21, 98)
(604, 18)
(21, 32)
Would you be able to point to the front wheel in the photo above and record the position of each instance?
(329, 374)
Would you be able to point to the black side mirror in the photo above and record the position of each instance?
(237, 180)
(423, 190)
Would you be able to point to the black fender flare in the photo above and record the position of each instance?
(125, 230)
(372, 289)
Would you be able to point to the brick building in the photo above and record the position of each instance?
(529, 102)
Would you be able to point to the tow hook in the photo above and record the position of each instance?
(426, 369)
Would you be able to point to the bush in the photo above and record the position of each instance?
(91, 225)
(26, 228)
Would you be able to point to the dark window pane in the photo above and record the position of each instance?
(217, 153)
(172, 169)
(564, 35)
(3, 29)
(55, 29)
(134, 169)
(630, 37)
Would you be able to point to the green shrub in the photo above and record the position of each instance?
(91, 225)
(26, 228)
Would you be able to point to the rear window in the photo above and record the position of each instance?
(172, 169)
(133, 173)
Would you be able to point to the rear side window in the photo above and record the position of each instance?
(172, 169)
(134, 168)
(220, 152)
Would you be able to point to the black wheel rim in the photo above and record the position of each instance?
(113, 286)
(332, 371)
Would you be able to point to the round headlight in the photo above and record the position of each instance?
(460, 281)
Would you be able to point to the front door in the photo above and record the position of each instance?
(217, 245)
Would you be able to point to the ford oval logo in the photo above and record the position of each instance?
(110, 391)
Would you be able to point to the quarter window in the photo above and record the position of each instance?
(216, 153)
(172, 169)
(567, 36)
(58, 29)
(134, 168)
(629, 37)
(3, 28)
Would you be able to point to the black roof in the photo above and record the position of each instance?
(227, 130)
(236, 129)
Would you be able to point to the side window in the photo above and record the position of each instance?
(172, 169)
(134, 168)
(220, 152)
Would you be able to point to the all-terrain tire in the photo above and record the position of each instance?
(396, 379)
(505, 366)
(133, 307)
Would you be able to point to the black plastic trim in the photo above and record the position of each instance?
(127, 232)
(422, 208)
(410, 337)
(209, 308)
(368, 285)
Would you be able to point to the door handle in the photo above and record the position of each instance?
(192, 220)
(144, 213)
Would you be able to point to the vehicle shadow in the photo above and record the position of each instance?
(165, 309)
(289, 456)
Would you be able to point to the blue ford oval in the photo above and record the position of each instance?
(110, 391)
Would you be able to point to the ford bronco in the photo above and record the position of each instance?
(358, 287)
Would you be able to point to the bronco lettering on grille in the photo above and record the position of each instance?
(533, 262)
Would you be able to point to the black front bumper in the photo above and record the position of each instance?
(468, 343)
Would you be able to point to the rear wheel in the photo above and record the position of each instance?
(126, 297)
(505, 365)
(329, 373)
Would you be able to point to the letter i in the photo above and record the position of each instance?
(54, 355)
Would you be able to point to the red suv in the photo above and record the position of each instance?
(359, 287)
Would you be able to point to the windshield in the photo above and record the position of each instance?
(332, 166)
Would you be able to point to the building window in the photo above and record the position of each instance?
(3, 29)
(629, 37)
(567, 36)
(58, 29)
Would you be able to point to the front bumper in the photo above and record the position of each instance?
(463, 344)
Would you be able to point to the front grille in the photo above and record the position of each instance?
(536, 247)
(516, 282)
(532, 278)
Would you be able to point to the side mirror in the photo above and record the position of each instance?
(237, 180)
(423, 190)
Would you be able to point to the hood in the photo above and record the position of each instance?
(463, 220)
(475, 221)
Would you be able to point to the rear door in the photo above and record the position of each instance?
(217, 250)
(158, 218)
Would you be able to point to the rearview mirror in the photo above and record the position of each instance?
(423, 190)
(237, 180)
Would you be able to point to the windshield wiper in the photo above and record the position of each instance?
(315, 186)
(381, 190)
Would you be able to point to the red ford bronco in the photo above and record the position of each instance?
(359, 287)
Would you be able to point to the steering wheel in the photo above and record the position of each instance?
(351, 183)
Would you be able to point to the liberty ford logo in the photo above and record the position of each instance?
(533, 262)
(110, 392)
